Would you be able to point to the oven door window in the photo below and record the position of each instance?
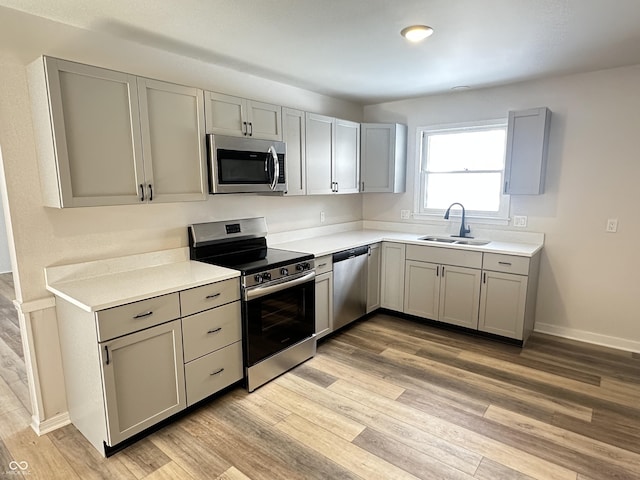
(279, 320)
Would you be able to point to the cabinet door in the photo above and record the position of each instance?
(172, 121)
(319, 148)
(324, 304)
(347, 156)
(143, 376)
(383, 157)
(422, 289)
(293, 134)
(225, 114)
(264, 120)
(502, 304)
(96, 127)
(526, 157)
(392, 276)
(373, 277)
(459, 296)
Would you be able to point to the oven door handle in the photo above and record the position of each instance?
(258, 292)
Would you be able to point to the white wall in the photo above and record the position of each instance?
(45, 236)
(589, 280)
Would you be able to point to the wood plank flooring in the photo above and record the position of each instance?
(13, 375)
(387, 398)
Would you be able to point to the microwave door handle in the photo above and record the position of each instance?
(276, 167)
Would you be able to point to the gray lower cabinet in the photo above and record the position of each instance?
(212, 338)
(392, 273)
(443, 284)
(324, 296)
(128, 367)
(446, 293)
(508, 298)
(143, 376)
(374, 264)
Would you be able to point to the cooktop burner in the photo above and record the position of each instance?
(273, 258)
(241, 245)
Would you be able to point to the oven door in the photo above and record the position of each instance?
(278, 316)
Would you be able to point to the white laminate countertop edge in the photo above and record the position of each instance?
(328, 244)
(119, 288)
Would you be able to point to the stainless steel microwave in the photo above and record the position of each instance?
(246, 165)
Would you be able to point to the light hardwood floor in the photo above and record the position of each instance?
(388, 398)
(13, 376)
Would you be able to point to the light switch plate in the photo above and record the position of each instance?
(405, 214)
(612, 225)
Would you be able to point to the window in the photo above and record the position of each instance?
(463, 164)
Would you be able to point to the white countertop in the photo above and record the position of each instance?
(335, 242)
(103, 284)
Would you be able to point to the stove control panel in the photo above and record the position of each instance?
(275, 274)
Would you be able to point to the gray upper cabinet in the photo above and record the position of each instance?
(101, 135)
(293, 134)
(384, 157)
(332, 155)
(526, 158)
(173, 141)
(240, 117)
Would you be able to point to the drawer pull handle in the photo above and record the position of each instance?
(217, 372)
(322, 265)
(215, 330)
(504, 263)
(213, 295)
(106, 350)
(145, 314)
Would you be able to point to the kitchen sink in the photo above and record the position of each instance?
(438, 239)
(454, 241)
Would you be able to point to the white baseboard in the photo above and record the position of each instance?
(51, 424)
(589, 337)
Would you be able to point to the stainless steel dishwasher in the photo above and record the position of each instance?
(349, 285)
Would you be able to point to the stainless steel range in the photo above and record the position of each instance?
(278, 294)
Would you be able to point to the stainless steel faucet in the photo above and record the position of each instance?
(463, 230)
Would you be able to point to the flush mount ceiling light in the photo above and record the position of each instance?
(416, 33)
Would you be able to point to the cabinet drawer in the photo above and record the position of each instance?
(211, 330)
(211, 373)
(118, 321)
(506, 263)
(446, 256)
(202, 298)
(324, 264)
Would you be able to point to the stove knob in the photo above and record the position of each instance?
(303, 266)
(266, 276)
(258, 278)
(284, 271)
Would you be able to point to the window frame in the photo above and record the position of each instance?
(502, 217)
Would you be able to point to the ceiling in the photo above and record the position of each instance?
(352, 49)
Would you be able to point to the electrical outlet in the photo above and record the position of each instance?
(321, 217)
(405, 214)
(612, 225)
(519, 221)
